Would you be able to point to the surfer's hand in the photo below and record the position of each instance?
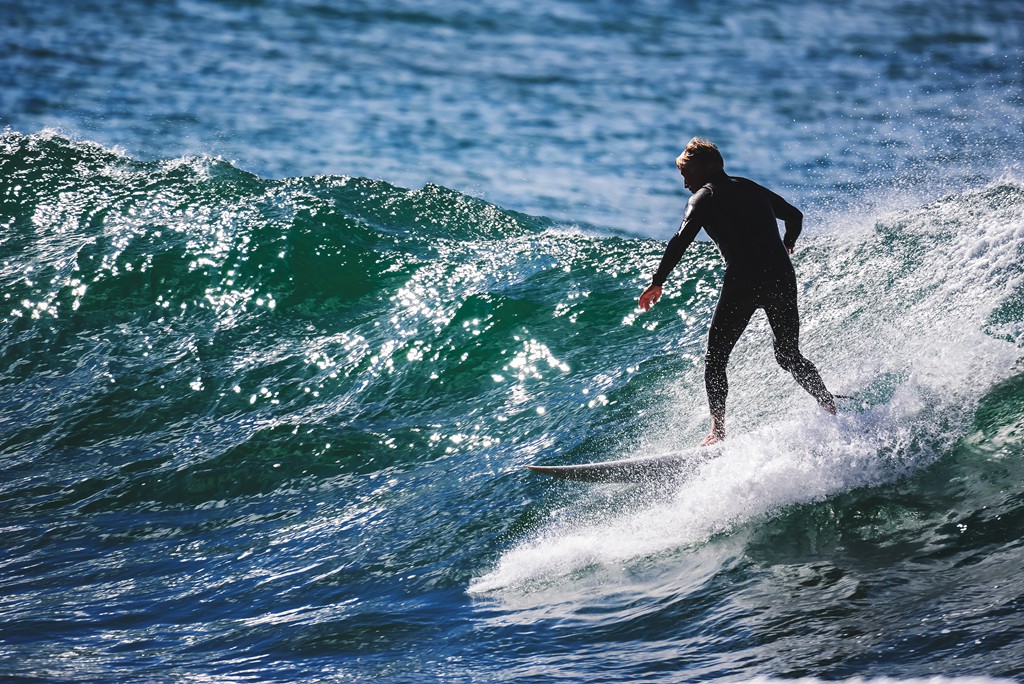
(650, 297)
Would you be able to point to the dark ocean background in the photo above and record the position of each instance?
(290, 292)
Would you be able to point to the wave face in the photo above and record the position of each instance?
(274, 429)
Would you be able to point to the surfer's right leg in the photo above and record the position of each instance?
(784, 319)
(732, 314)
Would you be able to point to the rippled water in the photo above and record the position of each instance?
(569, 109)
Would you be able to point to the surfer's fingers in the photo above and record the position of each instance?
(650, 297)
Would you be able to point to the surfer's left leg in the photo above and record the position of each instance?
(732, 313)
(784, 319)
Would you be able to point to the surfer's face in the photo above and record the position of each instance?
(694, 177)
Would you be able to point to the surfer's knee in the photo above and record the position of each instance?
(789, 359)
(715, 362)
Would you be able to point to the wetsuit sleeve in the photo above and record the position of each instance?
(790, 215)
(691, 224)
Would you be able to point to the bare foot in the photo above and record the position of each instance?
(712, 438)
(717, 433)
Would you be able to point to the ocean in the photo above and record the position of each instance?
(292, 291)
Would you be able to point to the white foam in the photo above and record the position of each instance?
(754, 475)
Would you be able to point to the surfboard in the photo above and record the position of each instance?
(650, 469)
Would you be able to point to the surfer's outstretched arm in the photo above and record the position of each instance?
(688, 229)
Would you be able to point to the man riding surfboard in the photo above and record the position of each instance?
(741, 217)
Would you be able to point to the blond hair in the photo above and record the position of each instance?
(702, 153)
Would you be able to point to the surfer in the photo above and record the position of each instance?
(741, 217)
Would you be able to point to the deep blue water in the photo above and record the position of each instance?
(291, 291)
(568, 109)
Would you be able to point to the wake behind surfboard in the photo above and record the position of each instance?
(651, 469)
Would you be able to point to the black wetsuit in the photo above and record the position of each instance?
(741, 217)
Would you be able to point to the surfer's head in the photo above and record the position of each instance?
(698, 162)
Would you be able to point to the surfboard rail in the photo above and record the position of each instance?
(630, 470)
